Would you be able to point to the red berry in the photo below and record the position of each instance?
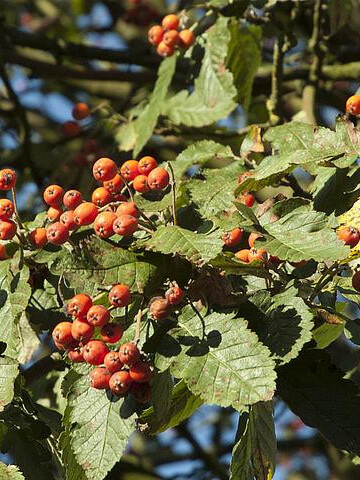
(94, 352)
(146, 164)
(141, 372)
(70, 129)
(247, 199)
(79, 305)
(7, 229)
(68, 219)
(125, 225)
(62, 334)
(243, 255)
(81, 331)
(6, 209)
(112, 362)
(103, 224)
(158, 178)
(171, 38)
(72, 199)
(128, 208)
(100, 378)
(120, 296)
(353, 105)
(253, 237)
(159, 308)
(165, 50)
(356, 281)
(349, 235)
(257, 254)
(104, 169)
(129, 353)
(120, 382)
(53, 195)
(111, 333)
(233, 237)
(114, 185)
(140, 184)
(174, 295)
(141, 392)
(76, 355)
(7, 179)
(57, 233)
(186, 38)
(155, 34)
(54, 213)
(101, 196)
(38, 237)
(170, 22)
(80, 111)
(98, 315)
(85, 213)
(130, 169)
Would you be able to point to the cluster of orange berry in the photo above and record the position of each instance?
(121, 370)
(166, 37)
(8, 227)
(71, 128)
(247, 198)
(233, 239)
(160, 307)
(119, 216)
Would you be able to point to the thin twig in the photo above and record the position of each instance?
(173, 192)
(138, 325)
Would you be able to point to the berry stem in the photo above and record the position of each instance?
(138, 324)
(173, 191)
(20, 234)
(142, 227)
(126, 183)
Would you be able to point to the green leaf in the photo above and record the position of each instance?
(327, 333)
(29, 340)
(146, 121)
(10, 472)
(316, 391)
(254, 453)
(221, 360)
(161, 390)
(8, 373)
(214, 92)
(183, 404)
(244, 58)
(98, 432)
(197, 248)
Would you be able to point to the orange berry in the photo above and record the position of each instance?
(7, 229)
(53, 195)
(103, 224)
(141, 372)
(186, 38)
(120, 296)
(146, 164)
(85, 213)
(247, 199)
(257, 254)
(171, 38)
(155, 34)
(158, 178)
(159, 308)
(6, 209)
(62, 334)
(130, 169)
(100, 378)
(112, 362)
(70, 129)
(38, 237)
(233, 237)
(54, 213)
(101, 196)
(57, 233)
(349, 235)
(111, 333)
(7, 179)
(243, 255)
(129, 353)
(353, 105)
(81, 331)
(164, 50)
(94, 352)
(114, 185)
(3, 252)
(72, 199)
(140, 184)
(75, 355)
(128, 208)
(98, 315)
(170, 22)
(120, 382)
(104, 169)
(68, 219)
(174, 295)
(80, 111)
(125, 225)
(79, 305)
(252, 237)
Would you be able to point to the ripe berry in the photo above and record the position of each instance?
(72, 199)
(257, 254)
(170, 22)
(81, 331)
(70, 129)
(111, 333)
(79, 305)
(186, 38)
(76, 355)
(356, 281)
(68, 219)
(349, 235)
(62, 334)
(252, 237)
(7, 229)
(114, 185)
(120, 296)
(233, 237)
(125, 225)
(53, 195)
(155, 34)
(146, 164)
(164, 50)
(54, 213)
(171, 38)
(101, 197)
(174, 295)
(129, 353)
(140, 184)
(353, 105)
(141, 392)
(247, 199)
(128, 208)
(94, 352)
(159, 308)
(85, 213)
(6, 209)
(90, 146)
(57, 233)
(158, 178)
(120, 382)
(130, 169)
(141, 372)
(98, 315)
(38, 237)
(3, 252)
(243, 255)
(7, 179)
(112, 362)
(80, 111)
(100, 378)
(103, 224)
(104, 169)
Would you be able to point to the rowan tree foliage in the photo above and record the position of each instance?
(229, 265)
